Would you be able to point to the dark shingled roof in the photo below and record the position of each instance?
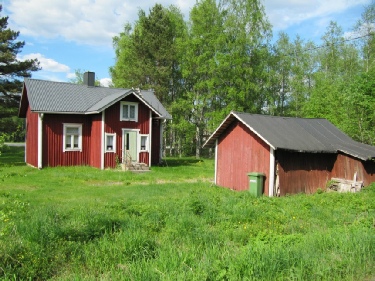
(60, 97)
(297, 134)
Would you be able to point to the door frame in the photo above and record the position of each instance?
(124, 131)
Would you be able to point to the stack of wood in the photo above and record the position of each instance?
(344, 185)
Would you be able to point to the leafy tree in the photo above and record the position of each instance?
(223, 62)
(280, 75)
(146, 55)
(365, 29)
(10, 69)
(247, 34)
(327, 95)
(199, 65)
(359, 103)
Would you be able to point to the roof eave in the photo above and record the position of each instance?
(147, 104)
(211, 140)
(108, 104)
(66, 112)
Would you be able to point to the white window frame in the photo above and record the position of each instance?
(114, 142)
(72, 125)
(127, 103)
(147, 142)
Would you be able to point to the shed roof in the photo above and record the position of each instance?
(60, 97)
(297, 134)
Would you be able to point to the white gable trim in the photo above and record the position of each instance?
(102, 141)
(255, 132)
(216, 158)
(40, 140)
(150, 140)
(271, 176)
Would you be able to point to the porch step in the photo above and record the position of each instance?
(136, 167)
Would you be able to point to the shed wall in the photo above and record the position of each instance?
(239, 152)
(31, 138)
(303, 172)
(306, 172)
(345, 167)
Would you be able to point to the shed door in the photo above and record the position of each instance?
(130, 144)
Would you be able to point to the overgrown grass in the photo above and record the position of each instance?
(12, 156)
(80, 223)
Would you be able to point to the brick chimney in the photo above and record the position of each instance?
(89, 78)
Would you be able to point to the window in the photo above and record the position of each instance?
(144, 143)
(110, 142)
(129, 111)
(72, 139)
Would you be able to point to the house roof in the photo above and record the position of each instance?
(67, 98)
(297, 134)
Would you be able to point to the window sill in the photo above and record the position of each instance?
(129, 120)
(72, 150)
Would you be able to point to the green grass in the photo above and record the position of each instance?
(80, 223)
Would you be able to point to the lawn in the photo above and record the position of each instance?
(81, 223)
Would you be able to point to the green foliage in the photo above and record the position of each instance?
(147, 53)
(359, 119)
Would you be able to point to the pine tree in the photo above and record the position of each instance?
(10, 69)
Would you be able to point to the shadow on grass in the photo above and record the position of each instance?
(12, 156)
(176, 162)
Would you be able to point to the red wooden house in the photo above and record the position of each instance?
(69, 124)
(295, 154)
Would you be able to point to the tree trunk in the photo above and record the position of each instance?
(198, 142)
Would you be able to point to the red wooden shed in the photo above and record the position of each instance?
(69, 124)
(295, 154)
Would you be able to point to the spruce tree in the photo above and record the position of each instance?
(11, 70)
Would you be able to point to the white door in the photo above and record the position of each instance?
(130, 144)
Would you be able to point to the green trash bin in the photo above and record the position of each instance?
(256, 183)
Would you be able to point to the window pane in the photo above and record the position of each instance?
(68, 142)
(132, 112)
(143, 142)
(125, 111)
(75, 141)
(73, 136)
(72, 131)
(109, 142)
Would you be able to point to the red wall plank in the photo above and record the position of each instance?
(31, 138)
(240, 152)
(346, 166)
(53, 154)
(306, 172)
(96, 141)
(303, 172)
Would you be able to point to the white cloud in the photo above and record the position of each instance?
(92, 22)
(285, 13)
(106, 82)
(46, 63)
(71, 75)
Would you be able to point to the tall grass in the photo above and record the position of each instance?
(80, 223)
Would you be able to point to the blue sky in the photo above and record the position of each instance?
(66, 35)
